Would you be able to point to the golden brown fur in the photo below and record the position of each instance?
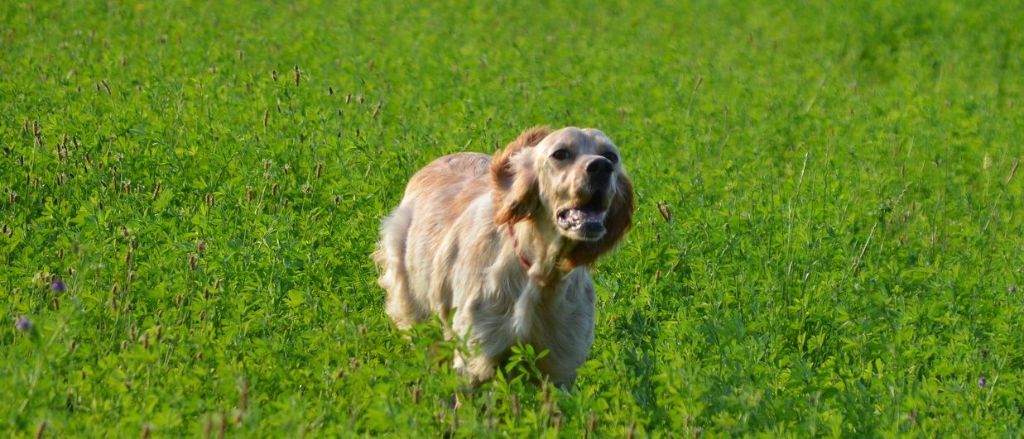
(501, 248)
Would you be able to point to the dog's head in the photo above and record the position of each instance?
(569, 182)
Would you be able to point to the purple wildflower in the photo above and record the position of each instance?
(58, 286)
(982, 382)
(23, 324)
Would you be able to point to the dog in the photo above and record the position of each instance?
(501, 248)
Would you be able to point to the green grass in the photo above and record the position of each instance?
(844, 255)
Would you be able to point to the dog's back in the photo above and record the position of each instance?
(434, 198)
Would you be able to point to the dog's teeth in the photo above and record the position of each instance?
(575, 218)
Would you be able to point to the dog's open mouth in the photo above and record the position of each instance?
(586, 220)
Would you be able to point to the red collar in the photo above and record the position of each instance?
(515, 245)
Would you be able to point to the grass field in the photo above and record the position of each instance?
(206, 181)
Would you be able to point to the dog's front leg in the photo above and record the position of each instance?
(477, 368)
(483, 348)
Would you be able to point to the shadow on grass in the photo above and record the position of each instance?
(639, 333)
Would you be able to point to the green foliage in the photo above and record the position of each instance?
(843, 256)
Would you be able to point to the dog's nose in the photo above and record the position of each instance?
(600, 168)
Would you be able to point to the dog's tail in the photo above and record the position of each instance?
(402, 305)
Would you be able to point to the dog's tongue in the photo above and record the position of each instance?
(574, 219)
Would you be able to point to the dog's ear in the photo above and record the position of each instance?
(618, 222)
(513, 179)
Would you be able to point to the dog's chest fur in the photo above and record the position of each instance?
(557, 318)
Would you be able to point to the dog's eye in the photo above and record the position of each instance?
(611, 156)
(561, 154)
